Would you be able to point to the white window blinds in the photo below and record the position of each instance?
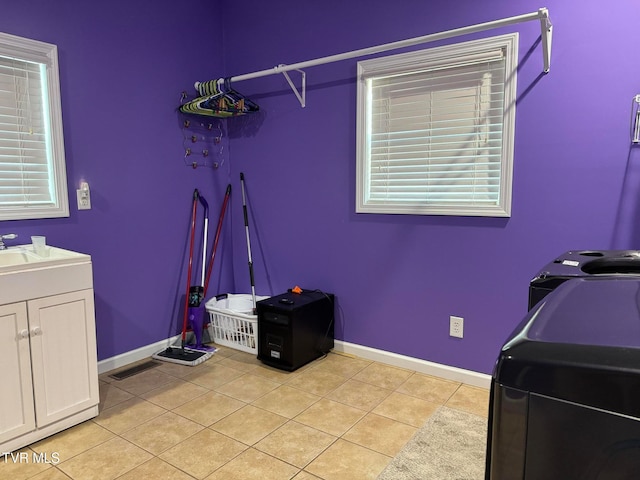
(23, 148)
(432, 135)
(32, 183)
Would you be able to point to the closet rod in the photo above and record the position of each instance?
(542, 14)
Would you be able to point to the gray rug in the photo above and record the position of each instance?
(450, 446)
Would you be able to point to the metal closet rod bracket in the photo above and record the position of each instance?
(546, 33)
(302, 97)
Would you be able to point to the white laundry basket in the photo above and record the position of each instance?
(232, 322)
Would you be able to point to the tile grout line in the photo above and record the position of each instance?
(252, 369)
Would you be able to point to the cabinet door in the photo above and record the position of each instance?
(16, 397)
(63, 354)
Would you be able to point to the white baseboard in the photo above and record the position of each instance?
(141, 353)
(423, 366)
(402, 361)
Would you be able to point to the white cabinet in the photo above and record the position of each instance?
(17, 415)
(63, 355)
(49, 365)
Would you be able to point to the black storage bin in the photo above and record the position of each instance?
(294, 329)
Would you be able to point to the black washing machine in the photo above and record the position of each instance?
(582, 263)
(565, 393)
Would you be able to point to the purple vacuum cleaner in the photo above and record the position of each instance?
(196, 311)
(196, 293)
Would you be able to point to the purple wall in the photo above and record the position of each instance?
(122, 70)
(398, 278)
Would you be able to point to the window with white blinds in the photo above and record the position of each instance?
(32, 164)
(435, 130)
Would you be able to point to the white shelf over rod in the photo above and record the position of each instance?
(542, 15)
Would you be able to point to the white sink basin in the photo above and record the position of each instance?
(9, 258)
(25, 274)
(23, 257)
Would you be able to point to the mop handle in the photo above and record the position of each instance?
(246, 227)
(204, 239)
(186, 297)
(217, 237)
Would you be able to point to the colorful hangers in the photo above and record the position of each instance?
(218, 99)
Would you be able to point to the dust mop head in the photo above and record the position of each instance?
(183, 356)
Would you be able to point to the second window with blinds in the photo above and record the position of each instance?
(436, 128)
(33, 181)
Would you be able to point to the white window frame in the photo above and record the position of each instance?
(420, 61)
(46, 56)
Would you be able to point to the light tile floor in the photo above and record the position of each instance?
(233, 418)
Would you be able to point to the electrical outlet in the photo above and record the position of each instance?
(456, 326)
(84, 199)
